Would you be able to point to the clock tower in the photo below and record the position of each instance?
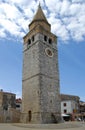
(40, 81)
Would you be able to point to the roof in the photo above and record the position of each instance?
(69, 97)
(39, 16)
(7, 93)
(18, 100)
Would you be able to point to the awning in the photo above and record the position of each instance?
(64, 115)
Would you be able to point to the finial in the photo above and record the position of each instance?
(39, 4)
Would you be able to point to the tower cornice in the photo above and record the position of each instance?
(39, 29)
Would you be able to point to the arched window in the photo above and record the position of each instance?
(29, 42)
(50, 41)
(45, 38)
(33, 38)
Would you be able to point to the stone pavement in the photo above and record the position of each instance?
(62, 126)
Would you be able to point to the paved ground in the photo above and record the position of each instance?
(62, 126)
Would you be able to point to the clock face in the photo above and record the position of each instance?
(49, 52)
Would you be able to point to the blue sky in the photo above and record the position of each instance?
(67, 18)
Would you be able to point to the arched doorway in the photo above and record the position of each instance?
(30, 115)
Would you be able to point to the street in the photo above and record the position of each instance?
(64, 126)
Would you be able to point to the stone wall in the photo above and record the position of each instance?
(40, 83)
(9, 116)
(7, 99)
(41, 90)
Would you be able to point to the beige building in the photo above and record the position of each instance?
(7, 100)
(8, 112)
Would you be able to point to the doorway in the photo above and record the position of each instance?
(30, 115)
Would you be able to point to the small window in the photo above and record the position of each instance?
(45, 38)
(33, 39)
(50, 41)
(29, 41)
(50, 101)
(18, 106)
(65, 111)
(64, 104)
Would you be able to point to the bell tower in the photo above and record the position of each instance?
(40, 81)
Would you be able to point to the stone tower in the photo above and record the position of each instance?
(40, 83)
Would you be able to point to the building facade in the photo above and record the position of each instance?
(8, 112)
(19, 104)
(7, 100)
(70, 106)
(40, 83)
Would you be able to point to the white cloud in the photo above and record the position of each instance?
(77, 1)
(64, 7)
(74, 9)
(59, 29)
(18, 94)
(10, 11)
(66, 16)
(76, 29)
(10, 26)
(18, 2)
(71, 19)
(2, 33)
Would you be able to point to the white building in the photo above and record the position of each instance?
(69, 106)
(19, 104)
